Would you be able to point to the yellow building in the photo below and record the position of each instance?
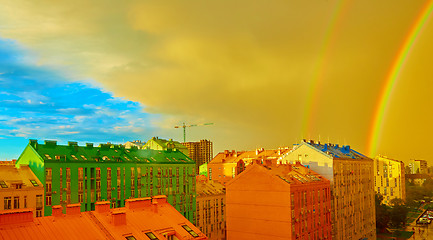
(210, 209)
(20, 188)
(352, 186)
(389, 178)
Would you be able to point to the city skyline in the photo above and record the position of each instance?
(266, 74)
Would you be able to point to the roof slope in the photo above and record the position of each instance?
(141, 216)
(334, 150)
(50, 151)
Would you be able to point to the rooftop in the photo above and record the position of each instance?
(142, 218)
(209, 187)
(17, 178)
(259, 154)
(163, 143)
(51, 151)
(334, 150)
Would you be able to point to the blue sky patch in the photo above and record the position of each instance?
(38, 102)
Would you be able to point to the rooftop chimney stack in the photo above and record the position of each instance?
(57, 211)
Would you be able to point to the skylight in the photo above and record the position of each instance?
(151, 236)
(35, 184)
(190, 231)
(3, 184)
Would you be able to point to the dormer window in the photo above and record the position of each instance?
(48, 157)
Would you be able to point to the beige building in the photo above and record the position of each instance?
(210, 209)
(201, 152)
(157, 143)
(20, 189)
(389, 178)
(352, 186)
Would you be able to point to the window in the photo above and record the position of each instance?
(190, 231)
(80, 197)
(39, 202)
(48, 200)
(25, 201)
(48, 173)
(98, 173)
(151, 236)
(108, 173)
(35, 184)
(16, 202)
(83, 157)
(130, 237)
(3, 184)
(68, 173)
(80, 173)
(7, 203)
(48, 187)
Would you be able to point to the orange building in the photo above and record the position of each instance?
(20, 188)
(210, 208)
(228, 164)
(141, 218)
(280, 202)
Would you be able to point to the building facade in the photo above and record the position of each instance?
(210, 213)
(352, 186)
(141, 218)
(389, 178)
(278, 202)
(228, 164)
(20, 189)
(418, 166)
(88, 174)
(201, 152)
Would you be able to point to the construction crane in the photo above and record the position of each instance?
(192, 125)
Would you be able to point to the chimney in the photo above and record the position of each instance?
(161, 199)
(118, 217)
(16, 216)
(154, 205)
(73, 209)
(102, 207)
(57, 211)
(226, 153)
(135, 203)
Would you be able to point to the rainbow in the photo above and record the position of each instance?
(334, 26)
(393, 76)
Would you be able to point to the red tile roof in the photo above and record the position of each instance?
(138, 218)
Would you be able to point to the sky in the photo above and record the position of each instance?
(267, 74)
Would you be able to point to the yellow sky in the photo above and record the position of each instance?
(250, 67)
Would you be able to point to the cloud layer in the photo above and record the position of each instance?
(267, 74)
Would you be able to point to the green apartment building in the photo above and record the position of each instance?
(87, 174)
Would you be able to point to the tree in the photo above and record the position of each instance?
(398, 213)
(383, 216)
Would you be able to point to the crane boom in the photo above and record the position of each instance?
(184, 126)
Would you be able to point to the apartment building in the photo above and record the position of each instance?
(418, 166)
(389, 178)
(210, 213)
(278, 202)
(20, 189)
(88, 174)
(201, 152)
(352, 186)
(141, 218)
